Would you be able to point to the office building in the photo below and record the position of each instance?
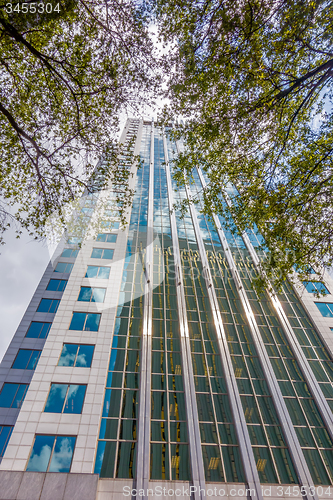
(146, 364)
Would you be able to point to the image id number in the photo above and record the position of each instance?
(32, 8)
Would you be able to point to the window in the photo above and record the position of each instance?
(57, 285)
(97, 272)
(69, 252)
(87, 211)
(38, 330)
(315, 287)
(48, 306)
(107, 224)
(63, 267)
(325, 308)
(12, 395)
(74, 240)
(26, 359)
(88, 294)
(309, 270)
(107, 237)
(102, 253)
(85, 321)
(52, 454)
(5, 433)
(76, 355)
(64, 398)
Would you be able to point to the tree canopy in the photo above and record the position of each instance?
(68, 69)
(253, 81)
(251, 78)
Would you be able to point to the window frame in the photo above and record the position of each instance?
(72, 251)
(32, 352)
(97, 277)
(66, 271)
(113, 236)
(103, 250)
(6, 441)
(85, 321)
(327, 304)
(14, 397)
(41, 330)
(60, 282)
(51, 301)
(62, 412)
(92, 288)
(55, 436)
(110, 225)
(77, 354)
(315, 288)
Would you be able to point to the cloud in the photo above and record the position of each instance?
(22, 264)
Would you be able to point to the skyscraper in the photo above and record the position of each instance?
(146, 364)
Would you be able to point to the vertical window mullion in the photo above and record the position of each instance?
(76, 355)
(65, 399)
(31, 354)
(14, 398)
(51, 455)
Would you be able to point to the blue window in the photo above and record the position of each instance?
(65, 398)
(85, 321)
(107, 237)
(38, 330)
(88, 294)
(97, 272)
(87, 211)
(57, 285)
(48, 306)
(52, 453)
(74, 240)
(102, 253)
(326, 309)
(315, 287)
(12, 395)
(63, 267)
(309, 270)
(76, 355)
(69, 252)
(26, 359)
(5, 433)
(107, 224)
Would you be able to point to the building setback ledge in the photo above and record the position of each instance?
(47, 486)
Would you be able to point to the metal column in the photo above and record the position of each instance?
(197, 466)
(143, 469)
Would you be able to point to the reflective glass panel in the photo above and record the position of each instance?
(41, 453)
(48, 305)
(12, 395)
(75, 398)
(5, 433)
(26, 359)
(85, 355)
(68, 355)
(57, 285)
(62, 454)
(38, 330)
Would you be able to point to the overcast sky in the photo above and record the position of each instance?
(22, 264)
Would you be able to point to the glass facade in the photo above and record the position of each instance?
(170, 456)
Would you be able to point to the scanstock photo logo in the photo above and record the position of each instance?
(230, 491)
